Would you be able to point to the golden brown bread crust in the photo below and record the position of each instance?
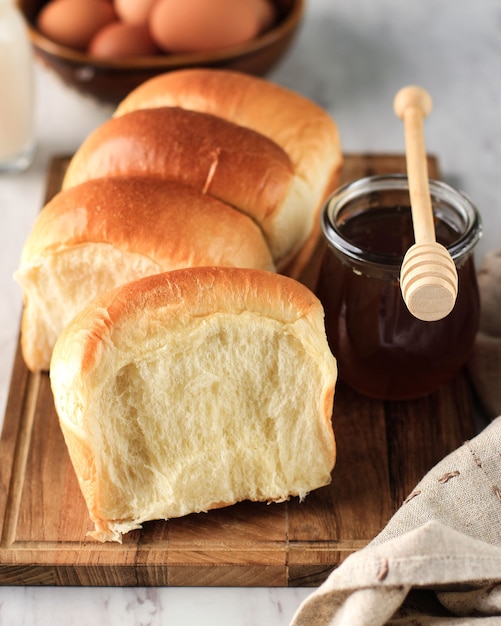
(231, 163)
(303, 129)
(167, 221)
(234, 164)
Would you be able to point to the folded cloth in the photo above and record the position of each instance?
(445, 539)
(438, 561)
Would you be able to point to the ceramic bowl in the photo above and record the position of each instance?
(110, 81)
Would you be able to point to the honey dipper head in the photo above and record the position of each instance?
(428, 280)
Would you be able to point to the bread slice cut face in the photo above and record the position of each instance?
(193, 390)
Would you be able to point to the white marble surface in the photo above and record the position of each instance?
(351, 56)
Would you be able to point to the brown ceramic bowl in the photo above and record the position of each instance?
(111, 80)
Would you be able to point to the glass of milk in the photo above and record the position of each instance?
(17, 133)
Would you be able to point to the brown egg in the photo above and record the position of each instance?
(73, 23)
(266, 12)
(134, 11)
(119, 40)
(197, 25)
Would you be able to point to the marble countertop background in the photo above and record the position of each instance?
(351, 56)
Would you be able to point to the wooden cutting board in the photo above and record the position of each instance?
(384, 448)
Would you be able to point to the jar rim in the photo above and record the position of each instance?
(352, 190)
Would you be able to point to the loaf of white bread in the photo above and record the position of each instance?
(246, 166)
(108, 231)
(192, 390)
(262, 148)
(187, 372)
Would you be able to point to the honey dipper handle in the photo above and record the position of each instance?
(412, 105)
(428, 276)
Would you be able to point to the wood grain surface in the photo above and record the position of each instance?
(384, 448)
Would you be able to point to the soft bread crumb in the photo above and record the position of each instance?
(230, 405)
(62, 283)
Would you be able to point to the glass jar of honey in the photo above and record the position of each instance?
(382, 350)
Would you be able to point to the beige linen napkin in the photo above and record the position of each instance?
(438, 561)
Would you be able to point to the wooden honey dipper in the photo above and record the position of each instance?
(428, 276)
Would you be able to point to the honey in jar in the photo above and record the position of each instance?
(382, 350)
